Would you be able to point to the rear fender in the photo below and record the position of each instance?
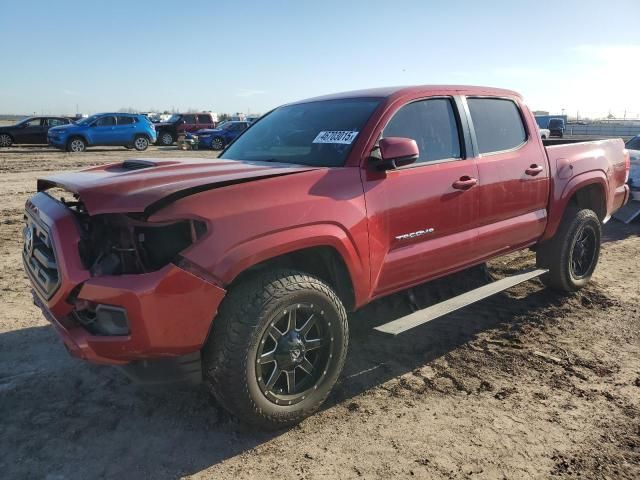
(562, 193)
(266, 247)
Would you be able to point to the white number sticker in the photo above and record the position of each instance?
(336, 136)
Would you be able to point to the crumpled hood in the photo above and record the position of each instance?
(145, 185)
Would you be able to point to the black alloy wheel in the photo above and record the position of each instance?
(294, 353)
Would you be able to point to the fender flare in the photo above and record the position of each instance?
(558, 204)
(254, 251)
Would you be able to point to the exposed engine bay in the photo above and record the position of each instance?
(118, 244)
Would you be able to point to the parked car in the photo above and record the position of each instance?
(104, 129)
(544, 133)
(633, 144)
(32, 130)
(218, 138)
(238, 271)
(556, 127)
(182, 122)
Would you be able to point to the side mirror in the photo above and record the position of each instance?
(397, 152)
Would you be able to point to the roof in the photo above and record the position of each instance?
(386, 92)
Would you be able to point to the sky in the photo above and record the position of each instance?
(230, 56)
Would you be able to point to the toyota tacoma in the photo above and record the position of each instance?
(239, 271)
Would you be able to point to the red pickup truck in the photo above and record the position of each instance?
(240, 270)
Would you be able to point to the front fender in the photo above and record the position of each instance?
(562, 193)
(257, 250)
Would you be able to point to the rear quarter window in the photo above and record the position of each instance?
(204, 119)
(497, 123)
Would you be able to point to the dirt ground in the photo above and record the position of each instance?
(527, 384)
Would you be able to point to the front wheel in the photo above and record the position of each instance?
(141, 143)
(572, 254)
(217, 143)
(166, 139)
(277, 348)
(76, 145)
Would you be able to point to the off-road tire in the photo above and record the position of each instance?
(229, 357)
(556, 253)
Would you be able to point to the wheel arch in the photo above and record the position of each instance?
(332, 256)
(587, 190)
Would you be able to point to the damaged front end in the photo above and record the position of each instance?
(123, 292)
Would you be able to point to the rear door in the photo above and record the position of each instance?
(190, 124)
(421, 217)
(125, 130)
(204, 121)
(513, 174)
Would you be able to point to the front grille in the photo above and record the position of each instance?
(39, 256)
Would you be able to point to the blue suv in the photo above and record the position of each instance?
(112, 129)
(221, 136)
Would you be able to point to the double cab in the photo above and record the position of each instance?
(239, 271)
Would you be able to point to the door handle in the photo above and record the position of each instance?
(533, 170)
(465, 183)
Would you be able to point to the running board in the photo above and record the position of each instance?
(438, 310)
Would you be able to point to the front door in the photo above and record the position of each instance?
(102, 131)
(422, 216)
(32, 132)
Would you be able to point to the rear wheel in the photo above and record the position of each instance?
(277, 348)
(572, 254)
(166, 138)
(76, 145)
(5, 140)
(141, 143)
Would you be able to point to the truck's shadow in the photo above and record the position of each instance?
(63, 417)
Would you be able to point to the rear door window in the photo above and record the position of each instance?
(432, 124)
(54, 122)
(497, 123)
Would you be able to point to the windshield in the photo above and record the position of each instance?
(174, 118)
(315, 133)
(88, 120)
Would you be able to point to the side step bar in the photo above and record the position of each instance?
(438, 310)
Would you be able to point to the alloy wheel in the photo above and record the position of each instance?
(5, 140)
(583, 252)
(217, 143)
(294, 353)
(167, 139)
(141, 143)
(77, 145)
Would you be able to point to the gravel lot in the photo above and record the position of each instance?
(527, 384)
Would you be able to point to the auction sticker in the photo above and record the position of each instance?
(336, 136)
